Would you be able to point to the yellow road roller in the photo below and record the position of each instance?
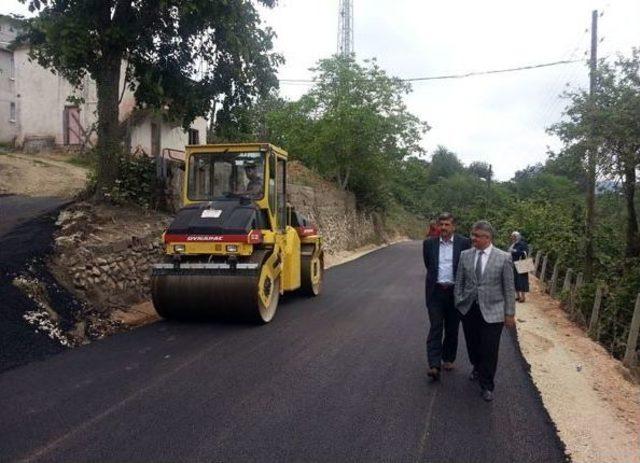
(236, 245)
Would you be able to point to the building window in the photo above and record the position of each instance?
(194, 137)
(12, 112)
(12, 67)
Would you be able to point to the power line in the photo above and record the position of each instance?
(554, 98)
(458, 76)
(495, 71)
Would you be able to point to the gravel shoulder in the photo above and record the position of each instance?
(591, 397)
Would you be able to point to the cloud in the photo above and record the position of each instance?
(498, 118)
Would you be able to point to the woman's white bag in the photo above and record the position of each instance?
(524, 265)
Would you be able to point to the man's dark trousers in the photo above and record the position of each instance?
(443, 317)
(483, 343)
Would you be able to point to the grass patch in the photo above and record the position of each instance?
(397, 220)
(86, 160)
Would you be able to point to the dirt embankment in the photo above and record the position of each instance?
(591, 397)
(30, 175)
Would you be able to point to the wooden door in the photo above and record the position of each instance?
(73, 131)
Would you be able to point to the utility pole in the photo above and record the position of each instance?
(592, 147)
(345, 28)
(488, 202)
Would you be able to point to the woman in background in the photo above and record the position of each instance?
(519, 249)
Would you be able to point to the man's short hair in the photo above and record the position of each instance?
(446, 216)
(485, 226)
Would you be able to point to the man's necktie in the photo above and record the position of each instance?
(479, 266)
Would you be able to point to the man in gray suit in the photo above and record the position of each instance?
(485, 296)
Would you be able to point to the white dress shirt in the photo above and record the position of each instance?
(445, 261)
(485, 257)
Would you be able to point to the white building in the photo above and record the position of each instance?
(8, 106)
(35, 108)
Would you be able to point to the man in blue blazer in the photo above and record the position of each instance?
(441, 255)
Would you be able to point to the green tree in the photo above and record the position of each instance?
(179, 56)
(362, 122)
(248, 123)
(609, 121)
(481, 170)
(444, 164)
(352, 127)
(410, 187)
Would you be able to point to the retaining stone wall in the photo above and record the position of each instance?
(121, 273)
(112, 275)
(342, 226)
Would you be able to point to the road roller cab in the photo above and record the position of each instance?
(236, 245)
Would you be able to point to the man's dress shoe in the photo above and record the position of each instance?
(447, 366)
(487, 395)
(473, 376)
(434, 373)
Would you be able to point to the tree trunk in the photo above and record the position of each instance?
(109, 144)
(632, 248)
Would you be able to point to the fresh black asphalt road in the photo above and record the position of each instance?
(15, 209)
(341, 377)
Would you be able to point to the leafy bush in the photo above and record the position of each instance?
(136, 182)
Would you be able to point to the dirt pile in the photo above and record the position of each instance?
(39, 176)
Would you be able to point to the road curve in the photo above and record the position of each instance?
(341, 377)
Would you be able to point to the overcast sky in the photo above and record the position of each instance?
(499, 118)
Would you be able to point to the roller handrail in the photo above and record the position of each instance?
(173, 154)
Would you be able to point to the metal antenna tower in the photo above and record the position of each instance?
(345, 28)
